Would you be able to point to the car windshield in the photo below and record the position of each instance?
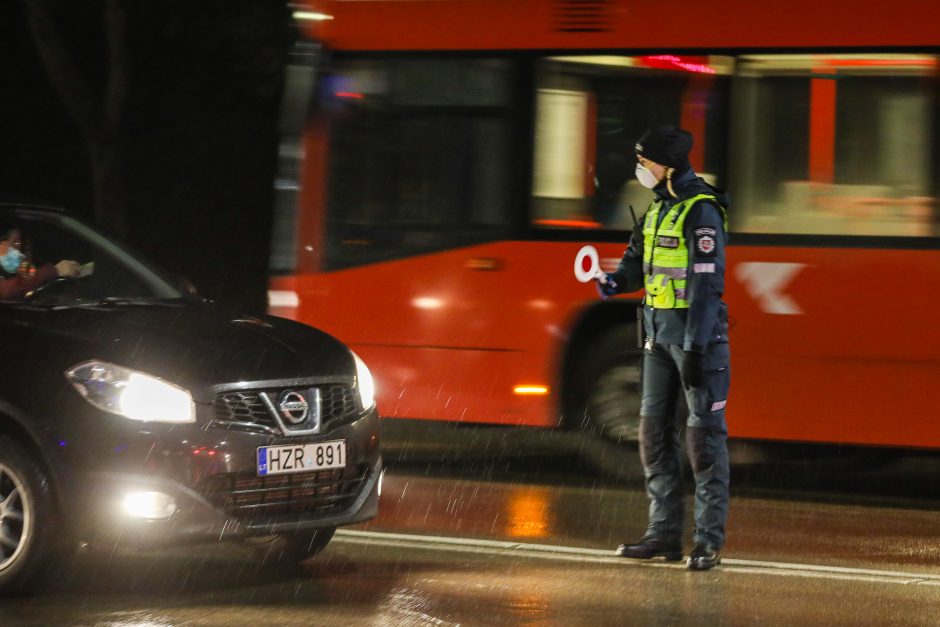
(66, 263)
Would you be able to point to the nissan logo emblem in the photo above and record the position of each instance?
(294, 407)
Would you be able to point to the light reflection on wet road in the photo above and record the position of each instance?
(375, 579)
(835, 534)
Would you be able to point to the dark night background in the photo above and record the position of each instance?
(155, 119)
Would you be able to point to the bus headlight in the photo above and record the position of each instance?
(132, 394)
(364, 384)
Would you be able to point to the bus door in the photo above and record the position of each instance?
(415, 266)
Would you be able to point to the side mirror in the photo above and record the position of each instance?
(188, 289)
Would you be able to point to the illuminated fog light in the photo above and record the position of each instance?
(150, 505)
(381, 480)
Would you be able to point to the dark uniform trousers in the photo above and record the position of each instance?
(706, 434)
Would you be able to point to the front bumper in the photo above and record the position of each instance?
(211, 477)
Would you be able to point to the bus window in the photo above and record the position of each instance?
(590, 110)
(420, 156)
(300, 75)
(834, 144)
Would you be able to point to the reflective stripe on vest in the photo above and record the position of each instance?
(666, 253)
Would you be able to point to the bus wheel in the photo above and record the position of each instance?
(607, 386)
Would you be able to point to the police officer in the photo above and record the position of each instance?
(679, 258)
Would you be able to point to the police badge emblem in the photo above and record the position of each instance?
(705, 241)
(706, 244)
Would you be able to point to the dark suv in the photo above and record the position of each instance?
(132, 411)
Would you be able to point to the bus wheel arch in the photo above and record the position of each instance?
(601, 376)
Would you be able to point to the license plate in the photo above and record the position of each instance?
(281, 460)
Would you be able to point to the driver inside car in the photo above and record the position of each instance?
(18, 276)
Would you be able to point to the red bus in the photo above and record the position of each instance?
(457, 154)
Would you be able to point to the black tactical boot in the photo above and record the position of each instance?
(703, 557)
(650, 547)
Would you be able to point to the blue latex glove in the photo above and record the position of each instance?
(606, 285)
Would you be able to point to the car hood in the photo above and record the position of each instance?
(195, 346)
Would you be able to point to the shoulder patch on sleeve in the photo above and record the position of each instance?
(705, 241)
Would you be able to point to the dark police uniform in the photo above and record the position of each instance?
(690, 318)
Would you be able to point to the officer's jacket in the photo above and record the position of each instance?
(706, 319)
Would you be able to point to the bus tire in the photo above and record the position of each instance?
(607, 385)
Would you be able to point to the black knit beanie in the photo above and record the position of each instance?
(666, 145)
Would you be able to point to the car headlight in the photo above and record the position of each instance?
(364, 384)
(132, 394)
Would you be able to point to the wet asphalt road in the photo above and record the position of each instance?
(521, 534)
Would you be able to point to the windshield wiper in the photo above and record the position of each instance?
(18, 304)
(119, 301)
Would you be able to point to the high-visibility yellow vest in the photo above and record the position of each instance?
(666, 253)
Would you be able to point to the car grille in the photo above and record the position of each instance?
(244, 496)
(246, 407)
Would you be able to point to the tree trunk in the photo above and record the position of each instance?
(98, 116)
(108, 186)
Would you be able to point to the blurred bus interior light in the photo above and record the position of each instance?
(698, 65)
(310, 15)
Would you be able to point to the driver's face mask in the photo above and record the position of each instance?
(10, 261)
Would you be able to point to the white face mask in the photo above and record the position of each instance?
(646, 178)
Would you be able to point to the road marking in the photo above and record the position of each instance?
(599, 556)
